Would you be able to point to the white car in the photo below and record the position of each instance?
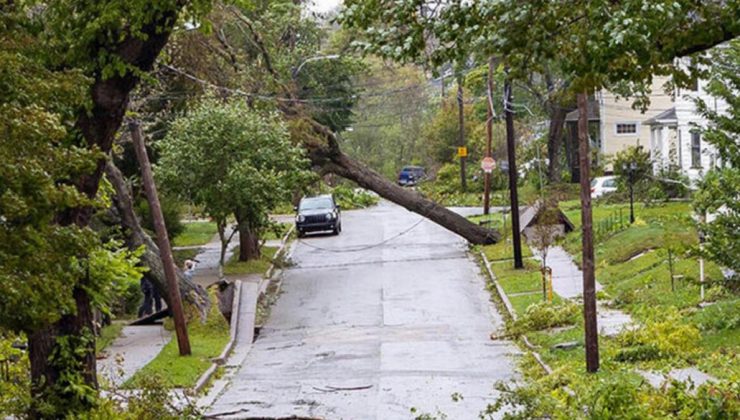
(603, 185)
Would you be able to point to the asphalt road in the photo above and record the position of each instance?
(371, 324)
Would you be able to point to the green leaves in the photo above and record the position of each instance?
(229, 158)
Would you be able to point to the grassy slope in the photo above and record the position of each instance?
(206, 341)
(234, 266)
(196, 233)
(632, 264)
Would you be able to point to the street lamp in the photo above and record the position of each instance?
(631, 169)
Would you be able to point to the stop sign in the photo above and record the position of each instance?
(488, 164)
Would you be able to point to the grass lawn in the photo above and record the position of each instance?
(206, 341)
(196, 233)
(235, 267)
(108, 334)
(632, 265)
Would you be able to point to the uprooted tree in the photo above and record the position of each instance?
(271, 58)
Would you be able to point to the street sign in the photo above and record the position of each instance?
(488, 164)
(462, 152)
(504, 165)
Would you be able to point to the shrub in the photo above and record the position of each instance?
(129, 298)
(720, 316)
(171, 211)
(543, 315)
(662, 337)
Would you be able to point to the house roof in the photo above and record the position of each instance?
(593, 113)
(667, 116)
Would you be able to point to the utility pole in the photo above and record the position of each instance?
(589, 286)
(511, 152)
(461, 134)
(489, 138)
(147, 180)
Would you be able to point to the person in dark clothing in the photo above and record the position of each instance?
(151, 296)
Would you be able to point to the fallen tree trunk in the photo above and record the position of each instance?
(191, 293)
(329, 158)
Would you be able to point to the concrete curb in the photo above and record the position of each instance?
(235, 315)
(512, 314)
(499, 289)
(234, 327)
(280, 251)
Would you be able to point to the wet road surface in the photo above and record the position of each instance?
(371, 324)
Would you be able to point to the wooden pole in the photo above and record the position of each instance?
(461, 132)
(489, 138)
(589, 285)
(147, 180)
(511, 152)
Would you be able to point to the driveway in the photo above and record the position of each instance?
(371, 324)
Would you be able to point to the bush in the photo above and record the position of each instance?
(662, 337)
(171, 211)
(720, 316)
(671, 183)
(129, 298)
(543, 315)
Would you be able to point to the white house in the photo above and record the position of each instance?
(668, 128)
(674, 138)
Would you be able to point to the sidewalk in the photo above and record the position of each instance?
(567, 282)
(131, 351)
(206, 270)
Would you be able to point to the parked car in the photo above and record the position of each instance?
(603, 185)
(316, 214)
(410, 176)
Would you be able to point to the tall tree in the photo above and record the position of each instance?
(234, 162)
(110, 42)
(322, 142)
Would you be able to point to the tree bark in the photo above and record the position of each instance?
(136, 237)
(365, 177)
(554, 141)
(249, 247)
(98, 126)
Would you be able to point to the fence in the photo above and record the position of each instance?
(616, 222)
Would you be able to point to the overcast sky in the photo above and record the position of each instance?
(323, 6)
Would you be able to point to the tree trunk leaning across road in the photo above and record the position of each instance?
(325, 155)
(190, 292)
(365, 177)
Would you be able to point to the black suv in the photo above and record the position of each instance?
(320, 213)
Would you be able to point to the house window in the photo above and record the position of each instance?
(626, 128)
(695, 150)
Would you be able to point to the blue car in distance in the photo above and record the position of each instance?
(410, 176)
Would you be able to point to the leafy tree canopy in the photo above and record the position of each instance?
(600, 42)
(232, 160)
(718, 191)
(41, 261)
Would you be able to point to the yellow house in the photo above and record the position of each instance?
(613, 123)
